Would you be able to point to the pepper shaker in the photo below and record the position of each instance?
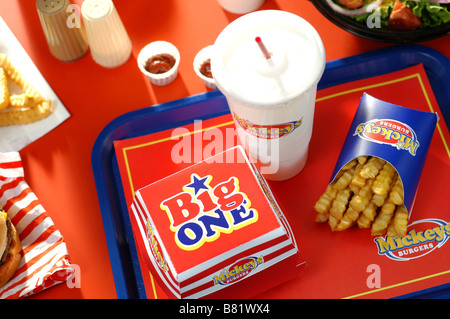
(65, 35)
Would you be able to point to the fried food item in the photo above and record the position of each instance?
(396, 194)
(367, 193)
(372, 167)
(362, 199)
(347, 221)
(362, 159)
(367, 216)
(17, 77)
(345, 179)
(322, 218)
(332, 222)
(20, 117)
(400, 221)
(24, 108)
(339, 205)
(21, 101)
(381, 222)
(384, 179)
(349, 165)
(324, 203)
(357, 180)
(4, 92)
(378, 199)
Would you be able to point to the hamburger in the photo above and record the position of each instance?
(10, 249)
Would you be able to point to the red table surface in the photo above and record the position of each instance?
(60, 163)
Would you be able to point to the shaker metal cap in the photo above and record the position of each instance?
(51, 6)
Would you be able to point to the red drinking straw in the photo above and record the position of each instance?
(263, 48)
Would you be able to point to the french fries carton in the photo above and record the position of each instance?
(214, 230)
(376, 176)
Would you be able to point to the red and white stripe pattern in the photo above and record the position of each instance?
(45, 261)
(277, 246)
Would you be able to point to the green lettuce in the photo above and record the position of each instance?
(430, 14)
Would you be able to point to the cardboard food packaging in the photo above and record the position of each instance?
(214, 230)
(396, 134)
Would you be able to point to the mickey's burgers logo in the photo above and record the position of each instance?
(268, 131)
(238, 271)
(427, 235)
(389, 132)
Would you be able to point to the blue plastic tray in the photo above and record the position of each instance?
(119, 237)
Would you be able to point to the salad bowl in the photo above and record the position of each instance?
(371, 22)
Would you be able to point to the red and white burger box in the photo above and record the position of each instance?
(214, 230)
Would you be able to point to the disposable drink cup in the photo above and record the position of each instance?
(271, 94)
(240, 6)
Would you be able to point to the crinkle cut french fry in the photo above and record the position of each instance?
(345, 179)
(4, 91)
(363, 221)
(362, 159)
(390, 229)
(357, 180)
(322, 218)
(347, 221)
(14, 117)
(324, 203)
(379, 200)
(339, 205)
(349, 165)
(325, 200)
(401, 220)
(399, 223)
(367, 216)
(22, 108)
(360, 200)
(383, 180)
(372, 167)
(332, 222)
(369, 193)
(381, 222)
(17, 77)
(21, 101)
(396, 194)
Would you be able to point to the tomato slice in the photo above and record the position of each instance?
(351, 4)
(403, 18)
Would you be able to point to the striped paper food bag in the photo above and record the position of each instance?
(45, 260)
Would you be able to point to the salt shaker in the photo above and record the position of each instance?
(108, 39)
(65, 35)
